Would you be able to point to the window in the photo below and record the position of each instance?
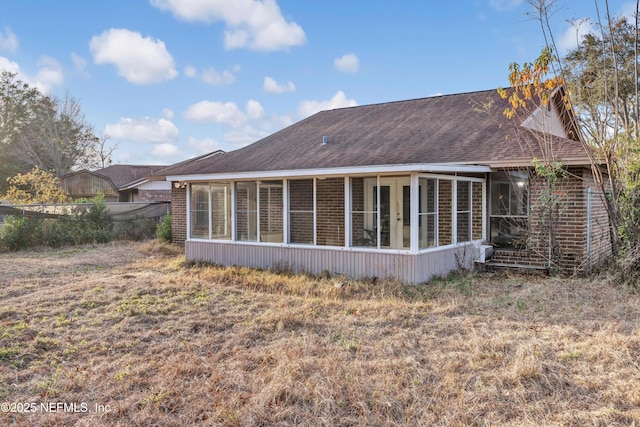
(427, 213)
(509, 203)
(271, 211)
(364, 215)
(301, 211)
(211, 211)
(246, 211)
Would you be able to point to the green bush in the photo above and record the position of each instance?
(21, 232)
(164, 229)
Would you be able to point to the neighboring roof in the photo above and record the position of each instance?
(124, 176)
(163, 173)
(447, 129)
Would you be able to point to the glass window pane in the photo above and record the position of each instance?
(364, 217)
(246, 211)
(271, 211)
(445, 212)
(463, 226)
(426, 231)
(220, 211)
(200, 211)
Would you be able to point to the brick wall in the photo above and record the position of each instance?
(330, 212)
(301, 202)
(570, 226)
(178, 214)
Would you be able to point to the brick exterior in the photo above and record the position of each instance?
(570, 229)
(301, 203)
(178, 214)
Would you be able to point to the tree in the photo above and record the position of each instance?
(101, 154)
(44, 130)
(602, 77)
(35, 187)
(57, 138)
(17, 101)
(532, 88)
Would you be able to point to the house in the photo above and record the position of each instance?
(118, 183)
(408, 190)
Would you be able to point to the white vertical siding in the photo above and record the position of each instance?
(409, 268)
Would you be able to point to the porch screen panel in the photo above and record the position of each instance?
(445, 212)
(364, 215)
(476, 209)
(427, 213)
(220, 211)
(301, 211)
(246, 211)
(463, 211)
(199, 211)
(509, 216)
(330, 212)
(271, 211)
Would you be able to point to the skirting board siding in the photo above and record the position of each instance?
(408, 268)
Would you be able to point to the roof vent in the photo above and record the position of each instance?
(324, 140)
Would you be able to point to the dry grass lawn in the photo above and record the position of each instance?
(155, 341)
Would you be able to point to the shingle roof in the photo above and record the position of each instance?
(125, 175)
(437, 130)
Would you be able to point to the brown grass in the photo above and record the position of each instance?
(164, 342)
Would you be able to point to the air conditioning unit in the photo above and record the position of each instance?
(483, 253)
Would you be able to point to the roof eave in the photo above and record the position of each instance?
(340, 171)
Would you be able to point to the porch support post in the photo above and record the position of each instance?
(414, 209)
(234, 226)
(315, 211)
(285, 211)
(484, 210)
(347, 210)
(188, 211)
(454, 210)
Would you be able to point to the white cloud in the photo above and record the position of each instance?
(8, 41)
(574, 35)
(211, 76)
(11, 66)
(166, 151)
(348, 63)
(50, 74)
(270, 85)
(143, 130)
(253, 24)
(140, 60)
(79, 63)
(167, 113)
(339, 100)
(218, 112)
(255, 111)
(203, 146)
(190, 71)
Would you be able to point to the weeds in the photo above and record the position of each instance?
(163, 342)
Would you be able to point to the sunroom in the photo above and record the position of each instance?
(407, 225)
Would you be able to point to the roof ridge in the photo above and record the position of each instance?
(423, 98)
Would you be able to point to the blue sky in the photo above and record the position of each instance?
(171, 79)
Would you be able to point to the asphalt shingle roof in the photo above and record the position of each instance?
(436, 130)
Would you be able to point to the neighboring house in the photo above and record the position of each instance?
(408, 190)
(118, 183)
